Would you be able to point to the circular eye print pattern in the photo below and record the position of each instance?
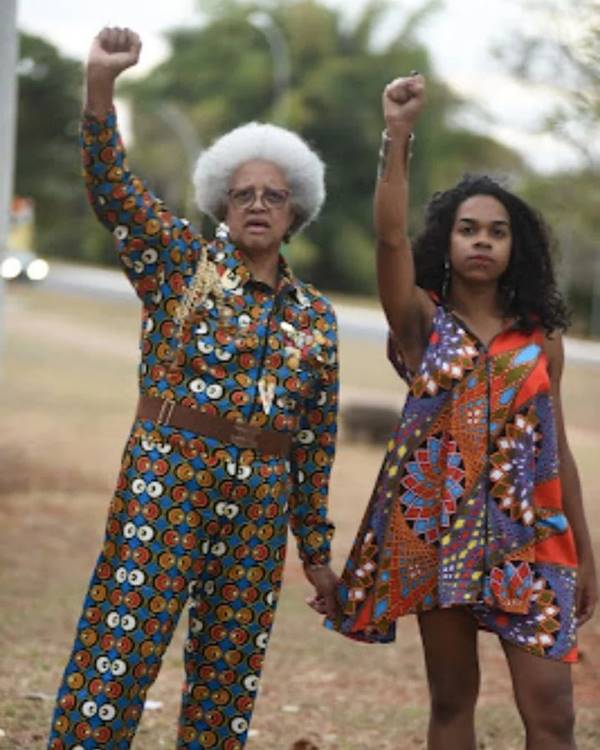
(223, 546)
(191, 518)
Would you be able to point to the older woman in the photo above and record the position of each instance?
(234, 432)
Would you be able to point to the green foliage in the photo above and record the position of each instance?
(47, 164)
(469, 152)
(221, 74)
(567, 59)
(560, 47)
(569, 203)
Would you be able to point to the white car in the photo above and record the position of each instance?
(23, 264)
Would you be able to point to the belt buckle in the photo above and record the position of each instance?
(165, 412)
(244, 435)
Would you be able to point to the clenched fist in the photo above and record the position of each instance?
(112, 51)
(403, 100)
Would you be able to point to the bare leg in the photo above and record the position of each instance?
(544, 696)
(450, 644)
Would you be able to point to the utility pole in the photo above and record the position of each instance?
(595, 312)
(8, 111)
(280, 57)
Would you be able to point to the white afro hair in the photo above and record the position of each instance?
(303, 169)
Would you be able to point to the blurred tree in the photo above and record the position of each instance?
(47, 163)
(565, 55)
(569, 203)
(221, 74)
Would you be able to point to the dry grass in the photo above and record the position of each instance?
(66, 404)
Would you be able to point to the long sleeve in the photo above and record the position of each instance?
(312, 458)
(155, 247)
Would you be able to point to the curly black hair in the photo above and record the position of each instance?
(528, 289)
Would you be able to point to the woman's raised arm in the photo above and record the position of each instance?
(409, 310)
(157, 249)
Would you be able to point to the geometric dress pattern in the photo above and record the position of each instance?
(467, 508)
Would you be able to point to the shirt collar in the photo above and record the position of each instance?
(233, 266)
(288, 283)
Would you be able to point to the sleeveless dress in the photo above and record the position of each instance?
(467, 508)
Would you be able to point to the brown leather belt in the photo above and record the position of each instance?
(242, 434)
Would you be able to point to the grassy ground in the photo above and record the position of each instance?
(67, 396)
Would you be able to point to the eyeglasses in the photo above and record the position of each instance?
(269, 198)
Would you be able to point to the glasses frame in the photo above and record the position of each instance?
(235, 196)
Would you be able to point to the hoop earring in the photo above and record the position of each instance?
(446, 279)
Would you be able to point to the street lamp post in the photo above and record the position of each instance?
(182, 127)
(8, 108)
(278, 47)
(595, 312)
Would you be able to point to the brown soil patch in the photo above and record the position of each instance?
(66, 410)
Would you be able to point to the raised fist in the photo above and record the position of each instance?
(403, 100)
(112, 51)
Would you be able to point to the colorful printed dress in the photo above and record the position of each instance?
(198, 523)
(467, 509)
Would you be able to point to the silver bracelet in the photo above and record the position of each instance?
(384, 151)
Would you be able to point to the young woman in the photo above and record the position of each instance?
(476, 520)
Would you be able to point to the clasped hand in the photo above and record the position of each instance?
(325, 582)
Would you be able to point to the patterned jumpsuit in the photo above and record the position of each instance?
(193, 520)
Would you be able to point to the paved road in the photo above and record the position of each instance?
(354, 322)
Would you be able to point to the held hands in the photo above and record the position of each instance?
(113, 51)
(325, 582)
(403, 99)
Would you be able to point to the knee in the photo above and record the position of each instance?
(550, 715)
(448, 705)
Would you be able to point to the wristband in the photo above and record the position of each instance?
(384, 151)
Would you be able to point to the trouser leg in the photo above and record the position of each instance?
(232, 612)
(115, 659)
(138, 589)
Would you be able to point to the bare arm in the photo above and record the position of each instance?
(587, 586)
(408, 309)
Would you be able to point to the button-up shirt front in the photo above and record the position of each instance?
(249, 353)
